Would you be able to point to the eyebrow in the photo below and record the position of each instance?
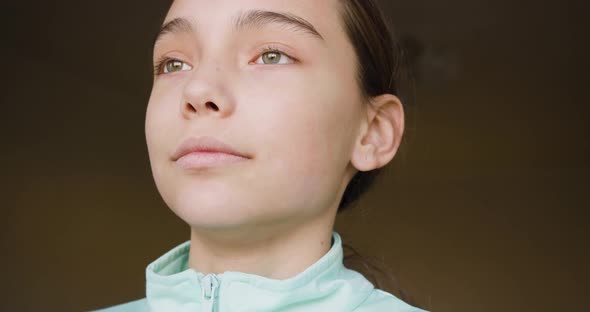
(245, 20)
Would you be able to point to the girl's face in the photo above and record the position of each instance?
(296, 113)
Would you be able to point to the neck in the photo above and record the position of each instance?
(273, 253)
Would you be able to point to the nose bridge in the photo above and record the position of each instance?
(203, 83)
(207, 89)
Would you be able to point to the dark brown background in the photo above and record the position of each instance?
(484, 209)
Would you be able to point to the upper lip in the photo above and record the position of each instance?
(204, 144)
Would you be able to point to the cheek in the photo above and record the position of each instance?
(160, 132)
(307, 123)
(159, 117)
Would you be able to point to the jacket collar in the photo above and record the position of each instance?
(172, 286)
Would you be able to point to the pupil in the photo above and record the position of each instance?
(174, 66)
(272, 57)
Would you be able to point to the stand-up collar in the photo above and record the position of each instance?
(324, 286)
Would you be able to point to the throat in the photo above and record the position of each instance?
(277, 257)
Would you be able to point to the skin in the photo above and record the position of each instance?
(303, 122)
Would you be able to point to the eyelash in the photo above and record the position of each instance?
(159, 67)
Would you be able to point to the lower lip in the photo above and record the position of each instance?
(198, 160)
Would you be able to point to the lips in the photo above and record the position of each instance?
(205, 144)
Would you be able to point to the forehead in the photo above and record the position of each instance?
(322, 14)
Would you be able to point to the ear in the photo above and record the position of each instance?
(380, 134)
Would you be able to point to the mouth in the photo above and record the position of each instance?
(204, 152)
(196, 160)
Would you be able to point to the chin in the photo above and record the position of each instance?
(210, 208)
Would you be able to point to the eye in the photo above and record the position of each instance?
(274, 56)
(167, 65)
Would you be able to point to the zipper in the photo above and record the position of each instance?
(209, 286)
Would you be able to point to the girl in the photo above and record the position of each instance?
(265, 119)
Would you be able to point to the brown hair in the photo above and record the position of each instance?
(381, 69)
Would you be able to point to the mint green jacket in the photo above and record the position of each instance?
(325, 286)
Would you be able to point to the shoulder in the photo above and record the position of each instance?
(139, 305)
(380, 300)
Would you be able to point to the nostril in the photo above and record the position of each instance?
(212, 105)
(191, 107)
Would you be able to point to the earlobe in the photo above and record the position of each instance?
(381, 135)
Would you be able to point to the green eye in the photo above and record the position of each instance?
(175, 66)
(274, 57)
(271, 57)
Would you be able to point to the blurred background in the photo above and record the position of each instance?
(485, 209)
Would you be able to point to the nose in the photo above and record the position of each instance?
(207, 93)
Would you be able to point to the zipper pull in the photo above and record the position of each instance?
(209, 285)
